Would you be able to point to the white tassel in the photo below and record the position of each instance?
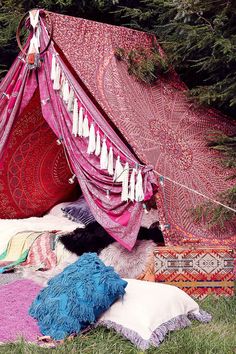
(92, 140)
(132, 185)
(65, 91)
(56, 84)
(85, 127)
(53, 67)
(110, 162)
(70, 101)
(81, 121)
(75, 118)
(125, 183)
(62, 83)
(103, 156)
(98, 144)
(118, 174)
(139, 194)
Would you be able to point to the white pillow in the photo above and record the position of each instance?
(148, 311)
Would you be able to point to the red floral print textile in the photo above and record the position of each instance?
(33, 170)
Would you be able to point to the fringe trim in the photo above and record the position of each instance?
(158, 335)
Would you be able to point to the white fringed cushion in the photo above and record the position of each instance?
(149, 311)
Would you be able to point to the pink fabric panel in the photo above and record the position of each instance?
(15, 95)
(163, 127)
(121, 220)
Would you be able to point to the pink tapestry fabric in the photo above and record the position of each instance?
(121, 219)
(15, 322)
(33, 169)
(164, 128)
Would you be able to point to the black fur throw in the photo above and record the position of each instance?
(94, 238)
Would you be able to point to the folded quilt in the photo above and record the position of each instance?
(17, 249)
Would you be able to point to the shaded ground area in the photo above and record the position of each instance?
(215, 337)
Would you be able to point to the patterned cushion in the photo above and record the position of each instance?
(76, 297)
(149, 311)
(79, 211)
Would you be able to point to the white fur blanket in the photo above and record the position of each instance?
(128, 264)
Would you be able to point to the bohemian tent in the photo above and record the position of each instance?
(122, 140)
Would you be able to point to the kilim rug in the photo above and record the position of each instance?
(199, 271)
(15, 322)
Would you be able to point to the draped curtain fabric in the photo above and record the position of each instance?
(121, 219)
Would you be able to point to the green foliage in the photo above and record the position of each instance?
(227, 146)
(12, 10)
(199, 38)
(146, 65)
(213, 215)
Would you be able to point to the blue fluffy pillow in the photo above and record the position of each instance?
(79, 211)
(76, 297)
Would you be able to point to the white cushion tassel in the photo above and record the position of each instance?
(92, 140)
(98, 144)
(125, 184)
(70, 101)
(110, 168)
(86, 127)
(53, 67)
(56, 83)
(103, 156)
(139, 194)
(132, 185)
(65, 91)
(75, 118)
(81, 120)
(118, 174)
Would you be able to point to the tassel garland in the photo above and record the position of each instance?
(53, 68)
(103, 156)
(98, 144)
(110, 162)
(139, 194)
(81, 119)
(92, 140)
(118, 174)
(75, 118)
(85, 127)
(125, 184)
(132, 185)
(70, 100)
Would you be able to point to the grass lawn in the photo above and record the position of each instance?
(219, 336)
